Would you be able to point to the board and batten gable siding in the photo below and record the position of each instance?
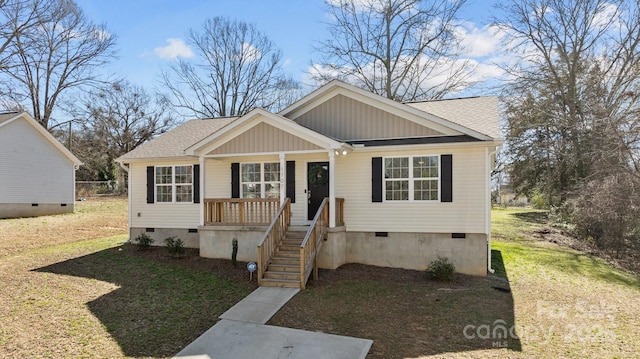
(465, 214)
(32, 169)
(159, 215)
(264, 138)
(344, 118)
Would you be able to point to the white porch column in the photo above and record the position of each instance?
(203, 187)
(283, 178)
(332, 189)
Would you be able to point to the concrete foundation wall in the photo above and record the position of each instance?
(191, 240)
(216, 242)
(398, 250)
(18, 210)
(333, 252)
(417, 250)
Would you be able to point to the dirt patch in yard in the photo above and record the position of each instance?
(404, 313)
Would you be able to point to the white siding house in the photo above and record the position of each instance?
(37, 173)
(405, 183)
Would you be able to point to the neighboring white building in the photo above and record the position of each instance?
(37, 173)
(405, 183)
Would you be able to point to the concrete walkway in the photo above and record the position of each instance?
(259, 306)
(241, 333)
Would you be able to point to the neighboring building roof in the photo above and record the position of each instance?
(6, 118)
(174, 142)
(477, 113)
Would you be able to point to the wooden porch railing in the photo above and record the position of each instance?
(312, 242)
(240, 211)
(272, 237)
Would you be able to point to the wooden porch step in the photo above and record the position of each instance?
(285, 260)
(288, 254)
(295, 235)
(291, 242)
(286, 283)
(273, 274)
(284, 267)
(289, 247)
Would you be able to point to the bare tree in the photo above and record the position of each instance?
(114, 120)
(574, 102)
(405, 50)
(59, 55)
(237, 69)
(17, 17)
(573, 111)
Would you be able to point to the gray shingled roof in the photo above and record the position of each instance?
(174, 142)
(477, 113)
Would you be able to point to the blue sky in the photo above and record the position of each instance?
(146, 29)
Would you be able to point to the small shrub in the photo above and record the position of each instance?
(441, 269)
(143, 241)
(175, 247)
(539, 201)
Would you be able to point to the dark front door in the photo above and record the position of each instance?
(317, 186)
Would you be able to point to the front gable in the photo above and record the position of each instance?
(262, 132)
(264, 138)
(348, 113)
(349, 119)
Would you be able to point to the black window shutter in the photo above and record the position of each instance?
(291, 180)
(376, 179)
(151, 184)
(446, 173)
(235, 180)
(196, 183)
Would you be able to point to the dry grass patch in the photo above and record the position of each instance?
(94, 218)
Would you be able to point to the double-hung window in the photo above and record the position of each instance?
(174, 184)
(413, 178)
(260, 180)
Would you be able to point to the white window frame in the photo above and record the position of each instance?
(262, 181)
(411, 180)
(173, 184)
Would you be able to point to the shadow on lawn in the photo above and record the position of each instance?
(158, 308)
(541, 217)
(406, 315)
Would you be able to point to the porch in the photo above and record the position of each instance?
(251, 211)
(286, 255)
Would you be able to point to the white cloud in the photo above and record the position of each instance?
(250, 53)
(609, 14)
(175, 48)
(480, 42)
